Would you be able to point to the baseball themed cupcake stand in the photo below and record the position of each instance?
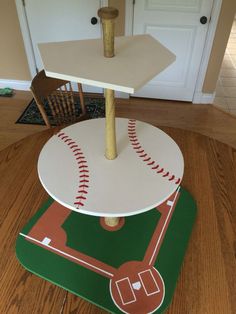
(117, 224)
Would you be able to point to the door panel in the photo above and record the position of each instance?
(176, 24)
(173, 5)
(182, 45)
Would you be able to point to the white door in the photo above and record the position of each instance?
(60, 20)
(176, 24)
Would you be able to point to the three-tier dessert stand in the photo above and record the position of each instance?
(117, 224)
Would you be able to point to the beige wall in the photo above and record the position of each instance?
(227, 13)
(13, 62)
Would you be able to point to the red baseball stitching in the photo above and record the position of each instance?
(82, 168)
(145, 157)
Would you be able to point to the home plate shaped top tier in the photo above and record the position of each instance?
(137, 60)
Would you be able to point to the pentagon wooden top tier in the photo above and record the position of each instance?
(137, 60)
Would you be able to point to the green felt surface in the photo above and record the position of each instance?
(122, 240)
(85, 234)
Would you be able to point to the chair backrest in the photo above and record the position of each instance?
(59, 96)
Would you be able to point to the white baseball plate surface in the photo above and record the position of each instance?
(74, 171)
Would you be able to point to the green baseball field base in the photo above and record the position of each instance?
(132, 268)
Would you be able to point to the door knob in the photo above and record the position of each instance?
(203, 20)
(94, 20)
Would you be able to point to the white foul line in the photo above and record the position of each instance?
(159, 239)
(68, 255)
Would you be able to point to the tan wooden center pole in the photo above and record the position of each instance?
(108, 15)
(112, 221)
(111, 150)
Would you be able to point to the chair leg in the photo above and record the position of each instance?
(81, 97)
(41, 109)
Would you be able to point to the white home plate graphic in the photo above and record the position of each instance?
(74, 171)
(137, 285)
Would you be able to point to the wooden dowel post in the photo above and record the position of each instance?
(112, 221)
(108, 15)
(110, 151)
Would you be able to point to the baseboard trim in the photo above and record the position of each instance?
(121, 95)
(203, 98)
(19, 85)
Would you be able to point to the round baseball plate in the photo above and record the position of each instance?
(74, 171)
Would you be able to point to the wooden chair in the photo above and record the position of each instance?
(60, 97)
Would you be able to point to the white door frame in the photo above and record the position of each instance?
(25, 31)
(199, 96)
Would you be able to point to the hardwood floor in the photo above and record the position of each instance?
(10, 110)
(204, 119)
